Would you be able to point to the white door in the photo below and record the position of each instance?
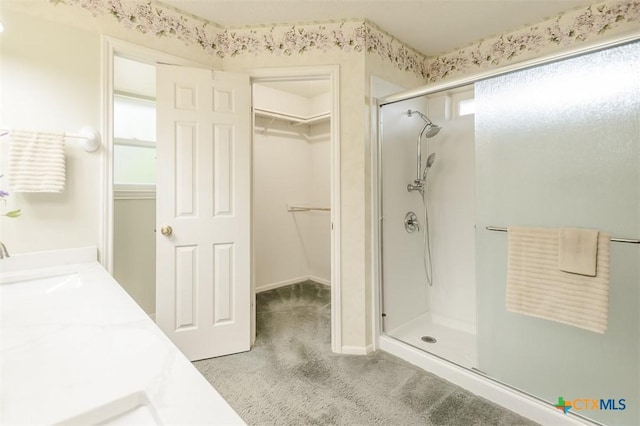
(203, 203)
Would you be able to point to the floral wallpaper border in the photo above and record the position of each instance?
(569, 29)
(162, 21)
(402, 56)
(149, 18)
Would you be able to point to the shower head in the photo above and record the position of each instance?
(430, 129)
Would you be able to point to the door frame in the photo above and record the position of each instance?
(110, 47)
(332, 73)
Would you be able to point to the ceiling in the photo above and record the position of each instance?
(304, 88)
(430, 26)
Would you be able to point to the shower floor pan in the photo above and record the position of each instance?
(451, 344)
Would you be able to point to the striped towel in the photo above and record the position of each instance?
(36, 162)
(536, 287)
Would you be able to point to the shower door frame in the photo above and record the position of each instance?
(471, 379)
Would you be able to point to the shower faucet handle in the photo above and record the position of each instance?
(411, 223)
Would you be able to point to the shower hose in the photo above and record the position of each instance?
(426, 249)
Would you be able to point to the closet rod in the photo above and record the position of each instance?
(307, 209)
(298, 120)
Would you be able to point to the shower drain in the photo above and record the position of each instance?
(428, 339)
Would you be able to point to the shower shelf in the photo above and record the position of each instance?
(613, 239)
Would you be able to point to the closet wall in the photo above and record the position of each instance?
(291, 167)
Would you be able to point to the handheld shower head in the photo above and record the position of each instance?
(430, 160)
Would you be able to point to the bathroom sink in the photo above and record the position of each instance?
(133, 409)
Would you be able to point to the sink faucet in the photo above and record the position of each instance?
(3, 251)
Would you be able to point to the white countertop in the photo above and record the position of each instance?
(76, 349)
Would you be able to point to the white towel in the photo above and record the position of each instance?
(36, 162)
(577, 251)
(536, 287)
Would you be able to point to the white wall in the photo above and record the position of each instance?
(50, 81)
(279, 101)
(288, 169)
(319, 260)
(134, 263)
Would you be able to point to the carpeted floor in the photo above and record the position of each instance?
(291, 377)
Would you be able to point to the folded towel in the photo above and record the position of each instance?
(536, 287)
(577, 251)
(36, 162)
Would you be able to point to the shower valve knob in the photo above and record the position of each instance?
(411, 223)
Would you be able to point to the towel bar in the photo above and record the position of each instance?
(616, 240)
(90, 137)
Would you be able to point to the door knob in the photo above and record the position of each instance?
(166, 230)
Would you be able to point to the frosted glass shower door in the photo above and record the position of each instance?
(559, 146)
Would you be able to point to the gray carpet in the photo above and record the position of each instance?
(291, 377)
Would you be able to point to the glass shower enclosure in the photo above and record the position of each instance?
(551, 146)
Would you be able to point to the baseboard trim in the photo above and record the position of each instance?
(320, 280)
(290, 281)
(279, 284)
(357, 350)
(518, 402)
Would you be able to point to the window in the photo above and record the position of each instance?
(466, 107)
(134, 126)
(134, 130)
(134, 118)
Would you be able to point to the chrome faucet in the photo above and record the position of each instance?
(3, 251)
(418, 185)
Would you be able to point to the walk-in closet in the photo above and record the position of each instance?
(291, 183)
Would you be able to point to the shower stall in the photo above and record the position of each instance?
(427, 165)
(554, 144)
